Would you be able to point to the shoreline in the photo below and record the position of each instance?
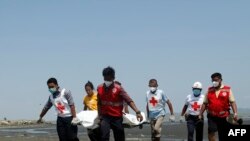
(175, 131)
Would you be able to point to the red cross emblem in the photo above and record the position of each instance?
(60, 107)
(153, 101)
(195, 106)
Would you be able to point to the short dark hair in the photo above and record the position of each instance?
(52, 80)
(217, 74)
(90, 84)
(152, 80)
(109, 71)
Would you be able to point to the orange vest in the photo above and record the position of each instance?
(111, 101)
(218, 106)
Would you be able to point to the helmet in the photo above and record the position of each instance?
(197, 85)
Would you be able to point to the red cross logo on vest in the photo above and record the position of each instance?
(195, 106)
(60, 107)
(153, 101)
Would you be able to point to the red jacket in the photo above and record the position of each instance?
(219, 106)
(111, 100)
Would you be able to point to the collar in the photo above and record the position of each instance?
(155, 93)
(110, 87)
(221, 87)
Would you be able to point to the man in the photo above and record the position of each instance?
(65, 108)
(90, 103)
(217, 101)
(125, 109)
(110, 106)
(193, 106)
(156, 100)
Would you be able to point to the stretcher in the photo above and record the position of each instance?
(89, 119)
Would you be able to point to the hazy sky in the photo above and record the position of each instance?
(176, 42)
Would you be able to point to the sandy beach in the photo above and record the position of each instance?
(29, 130)
(47, 132)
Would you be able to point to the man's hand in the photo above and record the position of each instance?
(139, 116)
(235, 117)
(172, 118)
(75, 121)
(39, 120)
(182, 119)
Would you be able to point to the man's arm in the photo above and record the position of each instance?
(170, 107)
(203, 108)
(138, 113)
(130, 102)
(133, 106)
(126, 109)
(147, 110)
(70, 100)
(45, 109)
(233, 105)
(73, 110)
(234, 108)
(184, 109)
(99, 105)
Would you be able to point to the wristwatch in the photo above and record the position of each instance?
(138, 112)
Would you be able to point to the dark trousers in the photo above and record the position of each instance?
(94, 134)
(195, 124)
(114, 123)
(65, 130)
(218, 124)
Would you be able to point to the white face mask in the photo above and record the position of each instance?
(216, 84)
(108, 83)
(153, 89)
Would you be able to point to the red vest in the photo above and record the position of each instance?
(111, 100)
(218, 106)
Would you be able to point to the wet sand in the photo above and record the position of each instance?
(170, 132)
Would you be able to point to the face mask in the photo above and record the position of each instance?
(196, 92)
(216, 84)
(108, 83)
(152, 89)
(52, 90)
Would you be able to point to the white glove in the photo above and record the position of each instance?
(172, 118)
(182, 118)
(75, 121)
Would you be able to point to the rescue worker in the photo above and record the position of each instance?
(90, 103)
(66, 115)
(125, 105)
(110, 106)
(156, 100)
(191, 111)
(218, 101)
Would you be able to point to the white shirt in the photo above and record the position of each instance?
(156, 103)
(194, 104)
(61, 105)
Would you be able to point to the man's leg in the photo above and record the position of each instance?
(152, 124)
(91, 134)
(190, 127)
(223, 125)
(199, 130)
(118, 130)
(158, 128)
(61, 130)
(72, 130)
(212, 128)
(105, 128)
(94, 134)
